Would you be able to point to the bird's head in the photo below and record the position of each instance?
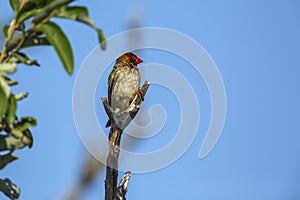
(130, 58)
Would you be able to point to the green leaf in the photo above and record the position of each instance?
(5, 30)
(3, 103)
(7, 158)
(25, 123)
(23, 15)
(72, 12)
(31, 121)
(28, 139)
(60, 43)
(90, 22)
(7, 68)
(12, 82)
(4, 95)
(31, 8)
(79, 13)
(5, 87)
(87, 20)
(35, 41)
(16, 133)
(19, 140)
(22, 58)
(11, 113)
(9, 189)
(21, 96)
(12, 143)
(47, 10)
(14, 41)
(14, 4)
(101, 38)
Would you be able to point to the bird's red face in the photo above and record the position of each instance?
(130, 58)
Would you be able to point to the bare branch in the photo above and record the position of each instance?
(122, 188)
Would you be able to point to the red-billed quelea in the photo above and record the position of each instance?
(123, 82)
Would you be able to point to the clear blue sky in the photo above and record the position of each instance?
(256, 46)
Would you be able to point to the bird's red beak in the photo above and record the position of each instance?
(138, 60)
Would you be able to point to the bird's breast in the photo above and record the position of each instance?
(125, 89)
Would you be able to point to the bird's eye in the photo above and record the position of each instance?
(133, 59)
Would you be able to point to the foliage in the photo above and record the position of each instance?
(36, 14)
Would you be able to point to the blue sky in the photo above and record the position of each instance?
(255, 45)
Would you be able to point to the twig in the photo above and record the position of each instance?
(119, 123)
(12, 29)
(122, 188)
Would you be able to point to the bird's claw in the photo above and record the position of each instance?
(123, 113)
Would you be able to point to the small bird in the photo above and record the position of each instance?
(123, 82)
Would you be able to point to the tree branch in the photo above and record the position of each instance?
(119, 122)
(122, 188)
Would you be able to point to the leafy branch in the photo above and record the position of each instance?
(37, 15)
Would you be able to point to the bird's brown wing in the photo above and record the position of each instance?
(110, 85)
(111, 82)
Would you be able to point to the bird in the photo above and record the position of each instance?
(123, 82)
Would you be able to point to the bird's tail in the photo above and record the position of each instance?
(108, 123)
